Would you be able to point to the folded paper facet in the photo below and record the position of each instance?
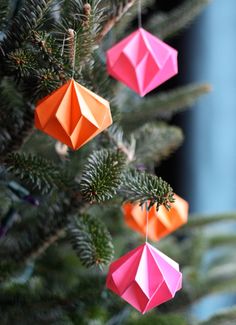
(160, 223)
(144, 277)
(73, 114)
(142, 61)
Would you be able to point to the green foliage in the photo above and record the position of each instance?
(85, 18)
(142, 187)
(156, 319)
(199, 221)
(102, 175)
(21, 26)
(21, 62)
(43, 283)
(164, 105)
(13, 135)
(156, 141)
(38, 171)
(91, 241)
(4, 10)
(167, 25)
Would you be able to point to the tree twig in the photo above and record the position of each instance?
(114, 19)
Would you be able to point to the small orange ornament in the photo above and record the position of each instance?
(161, 222)
(73, 114)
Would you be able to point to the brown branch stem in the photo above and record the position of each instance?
(114, 20)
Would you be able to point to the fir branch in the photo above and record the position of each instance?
(126, 24)
(102, 175)
(94, 76)
(155, 142)
(143, 187)
(85, 18)
(165, 104)
(12, 138)
(26, 20)
(91, 241)
(4, 11)
(115, 135)
(196, 221)
(221, 240)
(38, 171)
(166, 319)
(166, 25)
(121, 7)
(21, 62)
(47, 46)
(35, 239)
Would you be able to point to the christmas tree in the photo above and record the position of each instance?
(61, 216)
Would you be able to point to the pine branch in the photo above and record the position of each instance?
(4, 11)
(119, 10)
(38, 171)
(167, 319)
(115, 135)
(85, 19)
(197, 221)
(129, 20)
(91, 241)
(48, 47)
(94, 76)
(102, 175)
(221, 240)
(167, 25)
(143, 187)
(165, 104)
(35, 239)
(12, 138)
(155, 142)
(26, 20)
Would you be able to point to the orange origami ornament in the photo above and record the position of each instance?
(73, 114)
(161, 222)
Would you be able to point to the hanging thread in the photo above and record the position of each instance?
(140, 13)
(147, 217)
(63, 45)
(72, 45)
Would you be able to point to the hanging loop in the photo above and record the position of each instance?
(140, 13)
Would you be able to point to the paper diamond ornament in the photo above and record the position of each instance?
(142, 61)
(144, 277)
(73, 114)
(160, 223)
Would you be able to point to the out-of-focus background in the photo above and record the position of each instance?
(204, 169)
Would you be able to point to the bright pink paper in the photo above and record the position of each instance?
(144, 277)
(142, 61)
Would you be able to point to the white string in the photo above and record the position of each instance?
(73, 63)
(139, 13)
(146, 208)
(63, 45)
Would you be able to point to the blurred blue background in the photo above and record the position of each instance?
(209, 165)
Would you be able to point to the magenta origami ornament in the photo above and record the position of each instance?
(144, 277)
(142, 61)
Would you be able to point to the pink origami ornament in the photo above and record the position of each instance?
(144, 277)
(142, 61)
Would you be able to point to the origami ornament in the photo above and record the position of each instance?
(161, 222)
(142, 61)
(144, 277)
(73, 114)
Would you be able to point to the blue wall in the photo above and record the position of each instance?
(209, 166)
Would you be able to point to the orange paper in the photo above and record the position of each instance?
(161, 222)
(73, 114)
